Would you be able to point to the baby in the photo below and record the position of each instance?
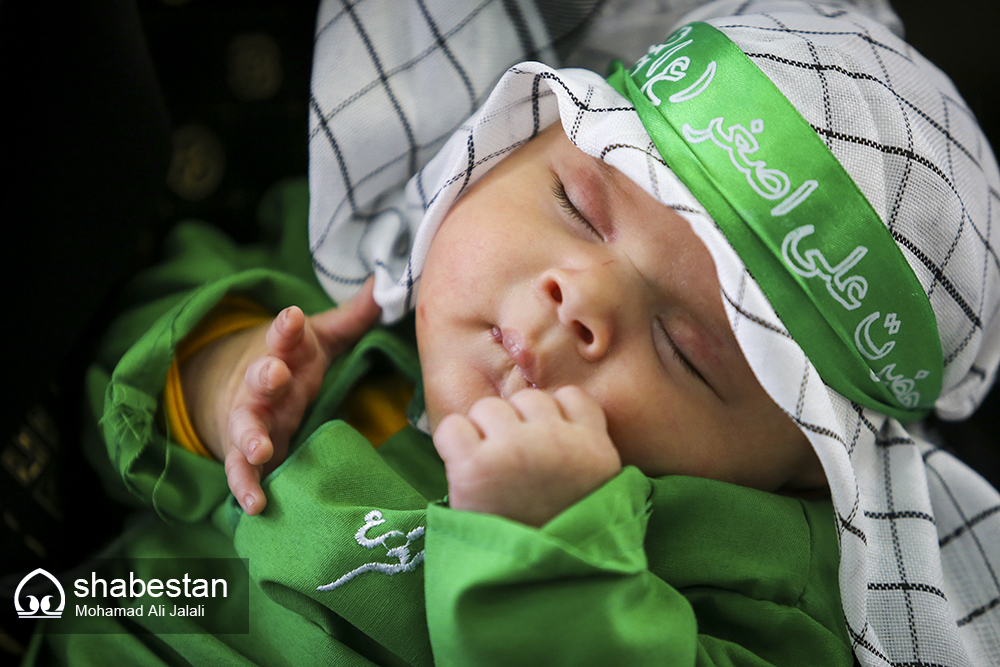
(561, 334)
(669, 324)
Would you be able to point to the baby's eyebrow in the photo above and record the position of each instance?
(607, 171)
(608, 177)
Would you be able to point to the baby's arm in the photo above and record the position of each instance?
(246, 392)
(527, 458)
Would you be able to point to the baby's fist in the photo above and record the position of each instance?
(528, 457)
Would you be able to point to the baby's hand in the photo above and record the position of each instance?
(529, 457)
(246, 393)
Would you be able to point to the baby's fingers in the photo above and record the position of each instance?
(286, 331)
(267, 379)
(339, 327)
(244, 482)
(456, 437)
(535, 405)
(248, 431)
(493, 416)
(580, 407)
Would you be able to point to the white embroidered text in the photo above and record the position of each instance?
(404, 562)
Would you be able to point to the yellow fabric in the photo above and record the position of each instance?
(178, 422)
(232, 314)
(376, 408)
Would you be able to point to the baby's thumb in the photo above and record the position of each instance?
(339, 327)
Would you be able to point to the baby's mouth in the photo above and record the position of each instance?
(525, 362)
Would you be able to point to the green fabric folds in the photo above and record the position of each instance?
(672, 571)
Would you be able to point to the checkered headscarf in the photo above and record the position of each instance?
(392, 147)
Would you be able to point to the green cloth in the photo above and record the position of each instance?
(676, 570)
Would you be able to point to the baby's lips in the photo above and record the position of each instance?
(520, 354)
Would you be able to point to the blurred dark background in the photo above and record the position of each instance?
(124, 116)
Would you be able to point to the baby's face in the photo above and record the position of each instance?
(557, 269)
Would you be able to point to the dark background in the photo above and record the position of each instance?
(124, 116)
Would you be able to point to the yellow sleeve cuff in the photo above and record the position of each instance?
(232, 314)
(179, 424)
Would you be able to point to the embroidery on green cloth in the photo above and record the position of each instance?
(405, 563)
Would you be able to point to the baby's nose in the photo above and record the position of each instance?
(585, 303)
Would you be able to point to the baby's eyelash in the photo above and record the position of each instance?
(559, 192)
(681, 359)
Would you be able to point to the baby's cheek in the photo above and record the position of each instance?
(639, 422)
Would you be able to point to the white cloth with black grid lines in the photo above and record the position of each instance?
(394, 83)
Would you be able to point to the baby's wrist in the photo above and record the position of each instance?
(189, 410)
(211, 378)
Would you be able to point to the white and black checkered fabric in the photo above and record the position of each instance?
(390, 153)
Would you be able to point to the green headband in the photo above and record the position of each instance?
(806, 233)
